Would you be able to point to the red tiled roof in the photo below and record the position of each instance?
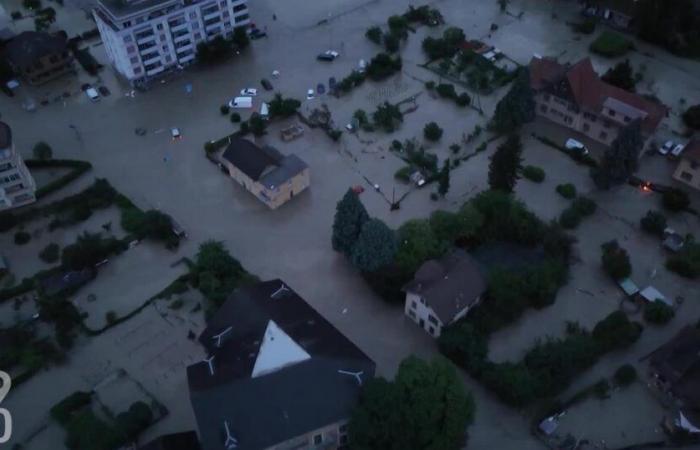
(590, 92)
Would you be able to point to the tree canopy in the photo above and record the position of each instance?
(621, 159)
(375, 246)
(424, 408)
(417, 244)
(350, 216)
(621, 75)
(517, 107)
(506, 163)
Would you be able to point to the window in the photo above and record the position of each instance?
(422, 300)
(127, 24)
(412, 314)
(162, 38)
(195, 25)
(586, 126)
(137, 70)
(225, 13)
(198, 36)
(685, 176)
(603, 135)
(568, 120)
(134, 60)
(432, 319)
(611, 112)
(242, 17)
(131, 49)
(168, 58)
(318, 439)
(413, 304)
(127, 38)
(544, 109)
(223, 4)
(193, 15)
(159, 26)
(627, 119)
(5, 167)
(239, 8)
(227, 24)
(431, 330)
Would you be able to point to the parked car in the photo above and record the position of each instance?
(362, 66)
(320, 89)
(175, 133)
(92, 94)
(266, 84)
(257, 33)
(310, 94)
(328, 55)
(576, 146)
(249, 92)
(677, 150)
(241, 102)
(666, 148)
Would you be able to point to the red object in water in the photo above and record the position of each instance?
(358, 189)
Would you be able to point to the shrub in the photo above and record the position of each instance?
(584, 206)
(391, 43)
(22, 237)
(691, 117)
(454, 148)
(383, 66)
(615, 260)
(569, 218)
(534, 173)
(176, 304)
(50, 253)
(616, 331)
(654, 223)
(687, 262)
(224, 109)
(110, 317)
(658, 312)
(463, 100)
(403, 174)
(235, 117)
(42, 151)
(374, 34)
(396, 145)
(625, 375)
(334, 134)
(257, 125)
(446, 90)
(430, 85)
(675, 199)
(432, 131)
(567, 190)
(244, 128)
(611, 44)
(61, 412)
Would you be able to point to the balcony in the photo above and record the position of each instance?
(145, 39)
(182, 37)
(184, 48)
(186, 59)
(155, 71)
(150, 59)
(174, 28)
(216, 14)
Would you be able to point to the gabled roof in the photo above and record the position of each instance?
(448, 285)
(264, 164)
(679, 356)
(590, 92)
(295, 393)
(29, 46)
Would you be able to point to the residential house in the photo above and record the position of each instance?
(16, 183)
(145, 39)
(278, 375)
(675, 367)
(688, 170)
(39, 56)
(616, 13)
(575, 97)
(272, 177)
(443, 291)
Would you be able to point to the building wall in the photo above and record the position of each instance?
(47, 68)
(147, 43)
(333, 436)
(688, 172)
(272, 198)
(17, 186)
(422, 314)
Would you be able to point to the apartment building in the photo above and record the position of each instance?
(145, 39)
(16, 183)
(575, 97)
(278, 375)
(39, 57)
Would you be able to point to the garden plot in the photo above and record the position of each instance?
(126, 282)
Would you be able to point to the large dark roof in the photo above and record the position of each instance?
(272, 407)
(448, 285)
(27, 47)
(679, 356)
(263, 164)
(5, 136)
(186, 440)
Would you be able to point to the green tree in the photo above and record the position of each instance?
(398, 25)
(417, 244)
(503, 5)
(257, 125)
(444, 178)
(506, 164)
(616, 331)
(51, 253)
(658, 312)
(691, 117)
(240, 38)
(464, 345)
(621, 75)
(449, 227)
(383, 66)
(283, 107)
(391, 43)
(675, 199)
(517, 107)
(425, 407)
(42, 151)
(375, 246)
(625, 375)
(621, 159)
(615, 260)
(387, 116)
(88, 250)
(374, 34)
(350, 216)
(432, 131)
(653, 222)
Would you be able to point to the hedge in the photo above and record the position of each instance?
(534, 173)
(63, 410)
(79, 168)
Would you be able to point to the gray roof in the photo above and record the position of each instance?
(288, 168)
(448, 285)
(5, 136)
(122, 8)
(276, 406)
(29, 46)
(264, 164)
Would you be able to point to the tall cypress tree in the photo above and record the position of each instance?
(444, 178)
(517, 107)
(350, 216)
(505, 165)
(622, 158)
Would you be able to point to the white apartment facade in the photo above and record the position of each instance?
(147, 38)
(17, 186)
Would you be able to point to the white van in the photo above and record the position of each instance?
(92, 94)
(576, 146)
(264, 110)
(241, 102)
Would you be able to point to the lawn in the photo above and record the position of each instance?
(611, 44)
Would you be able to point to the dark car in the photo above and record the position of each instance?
(104, 91)
(328, 55)
(257, 33)
(266, 84)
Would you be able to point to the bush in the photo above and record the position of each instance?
(42, 151)
(616, 331)
(403, 174)
(430, 85)
(567, 190)
(658, 312)
(615, 260)
(7, 221)
(691, 117)
(110, 317)
(334, 134)
(534, 173)
(22, 237)
(611, 44)
(224, 109)
(235, 117)
(446, 90)
(374, 34)
(387, 116)
(78, 168)
(654, 223)
(584, 206)
(391, 43)
(569, 218)
(257, 124)
(383, 66)
(432, 131)
(61, 412)
(454, 148)
(675, 199)
(396, 145)
(50, 253)
(463, 100)
(687, 262)
(625, 375)
(283, 107)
